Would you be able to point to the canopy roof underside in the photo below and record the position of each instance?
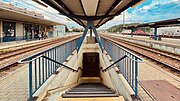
(100, 11)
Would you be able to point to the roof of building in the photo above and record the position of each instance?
(10, 12)
(100, 11)
(157, 24)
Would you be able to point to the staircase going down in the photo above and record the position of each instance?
(86, 90)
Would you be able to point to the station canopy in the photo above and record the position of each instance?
(100, 11)
(157, 24)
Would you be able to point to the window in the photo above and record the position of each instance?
(8, 29)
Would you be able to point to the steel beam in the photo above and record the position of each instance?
(83, 36)
(96, 35)
(90, 25)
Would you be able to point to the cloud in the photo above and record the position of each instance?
(49, 13)
(148, 11)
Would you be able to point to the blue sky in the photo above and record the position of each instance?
(148, 11)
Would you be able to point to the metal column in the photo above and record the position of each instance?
(155, 33)
(90, 25)
(96, 35)
(90, 32)
(83, 36)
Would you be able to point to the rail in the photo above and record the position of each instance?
(126, 62)
(42, 65)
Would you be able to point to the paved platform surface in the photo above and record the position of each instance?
(150, 71)
(14, 87)
(161, 90)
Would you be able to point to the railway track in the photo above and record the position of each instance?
(173, 63)
(9, 58)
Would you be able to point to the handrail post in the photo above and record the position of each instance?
(30, 81)
(136, 77)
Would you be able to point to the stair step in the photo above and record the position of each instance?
(120, 98)
(88, 90)
(100, 92)
(91, 89)
(88, 95)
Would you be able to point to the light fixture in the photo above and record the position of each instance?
(151, 23)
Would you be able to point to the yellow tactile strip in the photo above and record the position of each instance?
(120, 98)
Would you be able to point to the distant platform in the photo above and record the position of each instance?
(164, 40)
(166, 44)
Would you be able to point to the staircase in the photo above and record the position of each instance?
(87, 90)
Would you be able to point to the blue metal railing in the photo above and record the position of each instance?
(42, 65)
(128, 65)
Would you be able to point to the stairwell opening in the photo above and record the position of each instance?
(91, 64)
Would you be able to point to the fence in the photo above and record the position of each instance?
(42, 65)
(128, 64)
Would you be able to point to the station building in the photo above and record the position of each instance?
(21, 24)
(59, 30)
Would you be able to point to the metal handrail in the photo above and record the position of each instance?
(123, 49)
(125, 56)
(70, 68)
(104, 70)
(139, 59)
(39, 54)
(23, 61)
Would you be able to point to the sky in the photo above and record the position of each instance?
(147, 11)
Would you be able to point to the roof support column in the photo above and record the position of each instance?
(90, 25)
(96, 35)
(83, 36)
(91, 32)
(155, 33)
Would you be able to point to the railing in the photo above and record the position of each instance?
(127, 64)
(42, 65)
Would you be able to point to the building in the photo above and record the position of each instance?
(59, 30)
(21, 24)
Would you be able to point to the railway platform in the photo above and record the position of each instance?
(14, 81)
(15, 85)
(147, 38)
(167, 44)
(13, 44)
(95, 67)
